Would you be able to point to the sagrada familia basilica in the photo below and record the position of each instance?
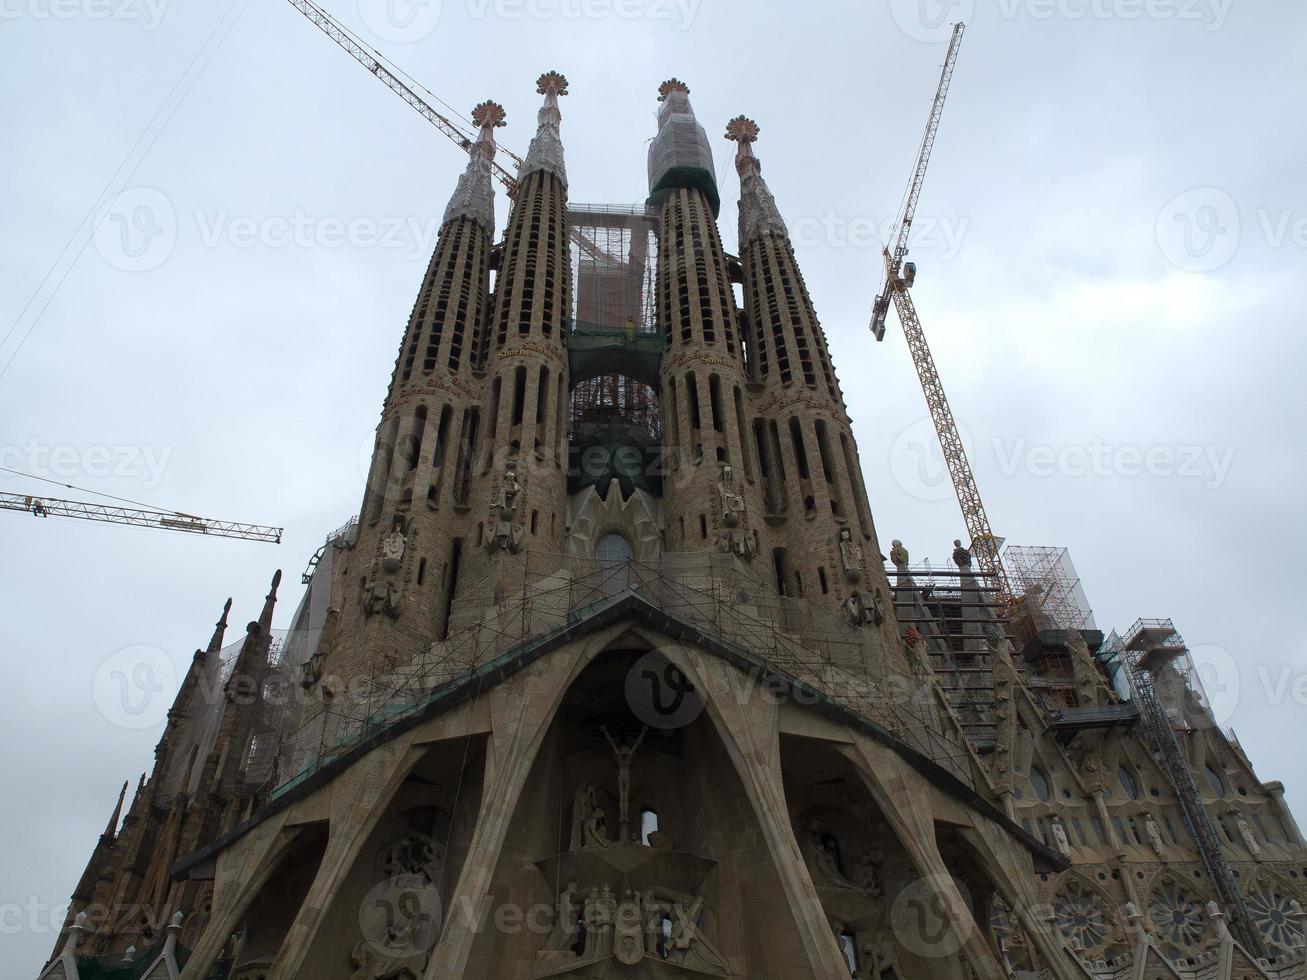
(613, 676)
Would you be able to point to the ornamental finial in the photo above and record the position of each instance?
(489, 115)
(552, 81)
(670, 86)
(742, 130)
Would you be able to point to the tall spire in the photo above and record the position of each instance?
(758, 212)
(475, 197)
(546, 150)
(679, 155)
(270, 602)
(220, 629)
(112, 829)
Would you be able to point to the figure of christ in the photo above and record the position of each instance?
(624, 753)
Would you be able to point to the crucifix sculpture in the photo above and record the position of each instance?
(624, 753)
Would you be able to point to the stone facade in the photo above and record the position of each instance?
(695, 732)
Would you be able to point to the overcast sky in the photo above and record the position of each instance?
(1111, 244)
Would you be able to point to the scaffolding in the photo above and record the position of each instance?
(953, 610)
(1048, 589)
(615, 398)
(701, 598)
(614, 252)
(1160, 670)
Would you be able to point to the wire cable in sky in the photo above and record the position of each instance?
(162, 116)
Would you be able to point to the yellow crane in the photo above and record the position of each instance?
(899, 278)
(372, 60)
(389, 75)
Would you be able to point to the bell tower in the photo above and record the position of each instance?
(823, 541)
(412, 523)
(714, 492)
(519, 490)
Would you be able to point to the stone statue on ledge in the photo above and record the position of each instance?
(961, 557)
(380, 596)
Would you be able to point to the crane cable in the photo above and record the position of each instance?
(109, 496)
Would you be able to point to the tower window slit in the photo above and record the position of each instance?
(800, 453)
(451, 582)
(519, 394)
(495, 389)
(692, 397)
(415, 440)
(542, 408)
(715, 401)
(560, 420)
(743, 434)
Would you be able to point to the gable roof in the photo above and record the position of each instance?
(628, 605)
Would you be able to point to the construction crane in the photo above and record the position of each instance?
(167, 520)
(373, 62)
(899, 278)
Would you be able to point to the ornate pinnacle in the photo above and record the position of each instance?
(489, 115)
(670, 86)
(742, 130)
(552, 81)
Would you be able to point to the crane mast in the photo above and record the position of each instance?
(371, 60)
(899, 277)
(167, 520)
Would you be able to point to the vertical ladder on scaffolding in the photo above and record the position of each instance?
(1160, 733)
